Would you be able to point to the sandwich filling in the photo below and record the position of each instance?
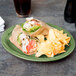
(31, 25)
(26, 43)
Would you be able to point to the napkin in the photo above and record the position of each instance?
(2, 24)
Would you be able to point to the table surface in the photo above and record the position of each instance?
(51, 11)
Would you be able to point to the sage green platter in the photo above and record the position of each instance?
(18, 53)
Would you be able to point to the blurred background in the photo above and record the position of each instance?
(51, 11)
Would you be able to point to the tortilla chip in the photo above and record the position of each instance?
(53, 45)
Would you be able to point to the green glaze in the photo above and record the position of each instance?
(18, 53)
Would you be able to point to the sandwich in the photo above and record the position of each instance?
(24, 36)
(34, 27)
(22, 41)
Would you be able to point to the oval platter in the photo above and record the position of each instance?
(18, 53)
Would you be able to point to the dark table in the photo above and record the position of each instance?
(50, 11)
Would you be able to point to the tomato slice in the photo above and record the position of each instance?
(36, 23)
(31, 45)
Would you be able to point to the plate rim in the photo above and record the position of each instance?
(44, 60)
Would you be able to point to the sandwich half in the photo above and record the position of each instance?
(34, 27)
(22, 41)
